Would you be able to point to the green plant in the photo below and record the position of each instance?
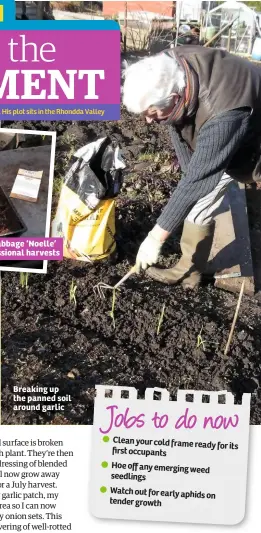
(161, 318)
(146, 156)
(70, 140)
(111, 312)
(24, 280)
(57, 185)
(163, 157)
(202, 342)
(73, 289)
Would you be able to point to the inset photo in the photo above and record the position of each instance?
(26, 181)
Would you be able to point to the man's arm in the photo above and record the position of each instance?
(181, 148)
(217, 142)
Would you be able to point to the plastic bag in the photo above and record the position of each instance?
(85, 215)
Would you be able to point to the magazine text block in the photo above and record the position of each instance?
(174, 461)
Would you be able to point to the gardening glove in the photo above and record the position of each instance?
(148, 253)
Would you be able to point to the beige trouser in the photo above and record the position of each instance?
(204, 210)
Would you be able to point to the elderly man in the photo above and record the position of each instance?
(211, 102)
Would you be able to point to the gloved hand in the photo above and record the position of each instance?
(148, 253)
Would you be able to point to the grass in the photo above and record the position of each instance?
(57, 185)
(163, 157)
(146, 156)
(131, 193)
(70, 140)
(24, 280)
(72, 293)
(161, 318)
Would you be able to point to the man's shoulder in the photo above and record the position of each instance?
(229, 119)
(209, 54)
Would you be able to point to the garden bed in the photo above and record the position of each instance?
(48, 340)
(11, 224)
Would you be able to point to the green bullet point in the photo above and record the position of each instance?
(106, 439)
(104, 464)
(103, 489)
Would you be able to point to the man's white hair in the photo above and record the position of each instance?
(151, 81)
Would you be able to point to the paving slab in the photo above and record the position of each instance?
(231, 251)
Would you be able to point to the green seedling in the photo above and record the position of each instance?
(73, 289)
(202, 342)
(24, 280)
(100, 287)
(161, 318)
(111, 312)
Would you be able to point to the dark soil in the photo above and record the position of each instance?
(47, 341)
(9, 222)
(4, 230)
